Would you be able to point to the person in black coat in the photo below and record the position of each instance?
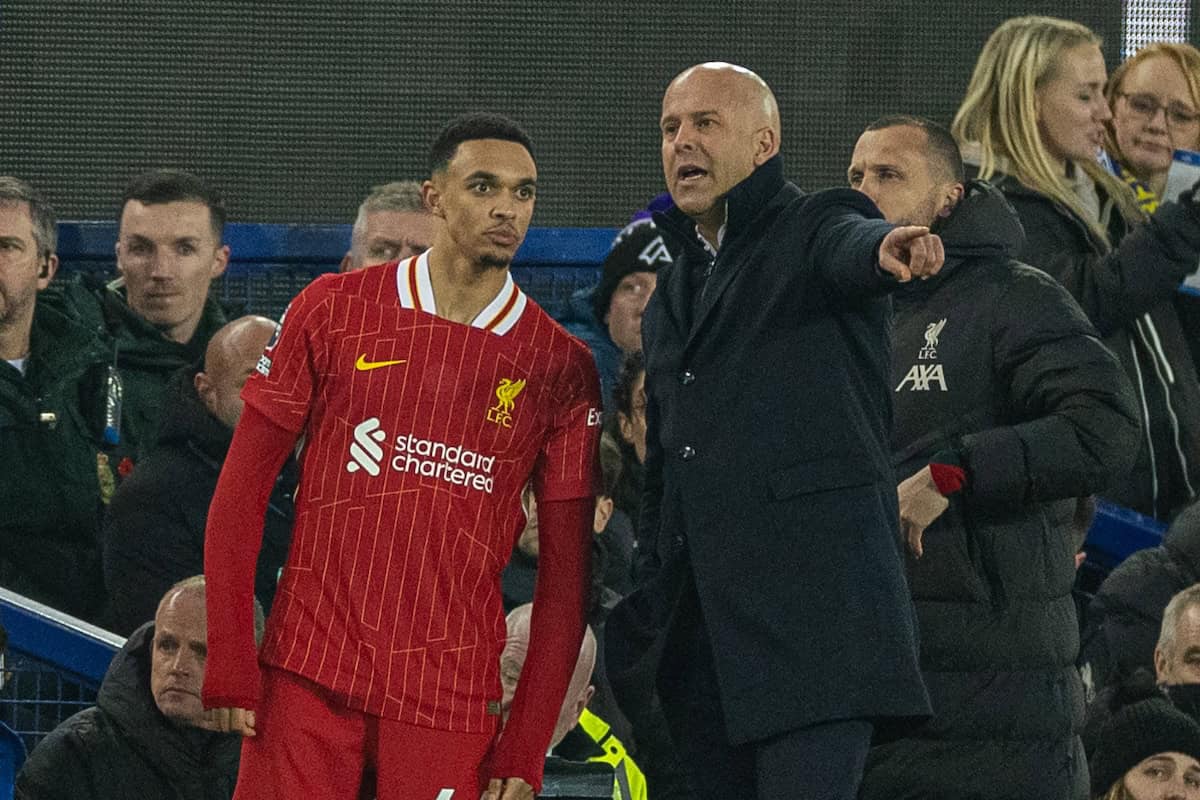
(145, 738)
(1125, 616)
(768, 487)
(1007, 407)
(154, 530)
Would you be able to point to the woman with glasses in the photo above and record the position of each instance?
(1155, 101)
(1033, 122)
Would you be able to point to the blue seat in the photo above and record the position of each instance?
(12, 756)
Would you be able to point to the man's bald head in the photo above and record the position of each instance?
(232, 354)
(741, 86)
(720, 122)
(512, 661)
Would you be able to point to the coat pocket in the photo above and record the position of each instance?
(821, 475)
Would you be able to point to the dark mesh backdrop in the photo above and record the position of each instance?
(294, 109)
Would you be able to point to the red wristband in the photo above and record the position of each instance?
(949, 478)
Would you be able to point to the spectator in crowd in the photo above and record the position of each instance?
(1007, 406)
(158, 314)
(628, 426)
(154, 532)
(608, 317)
(147, 737)
(1124, 618)
(51, 421)
(1155, 100)
(1149, 750)
(580, 734)
(392, 224)
(1154, 97)
(612, 546)
(1176, 670)
(1032, 122)
(772, 324)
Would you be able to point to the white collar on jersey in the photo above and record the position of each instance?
(416, 292)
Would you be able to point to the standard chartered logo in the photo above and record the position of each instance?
(365, 451)
(453, 464)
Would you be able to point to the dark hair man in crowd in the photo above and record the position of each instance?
(1007, 407)
(608, 317)
(51, 420)
(579, 734)
(393, 223)
(158, 315)
(147, 737)
(428, 393)
(767, 379)
(154, 531)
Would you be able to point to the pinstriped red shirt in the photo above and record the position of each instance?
(419, 434)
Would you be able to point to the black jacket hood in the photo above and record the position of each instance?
(179, 751)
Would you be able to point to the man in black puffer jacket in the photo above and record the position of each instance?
(154, 531)
(145, 737)
(1007, 407)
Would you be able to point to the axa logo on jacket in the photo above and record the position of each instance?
(923, 376)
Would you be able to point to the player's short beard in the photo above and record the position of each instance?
(494, 262)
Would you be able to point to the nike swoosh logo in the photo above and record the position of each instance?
(362, 365)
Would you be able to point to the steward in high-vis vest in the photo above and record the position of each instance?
(592, 740)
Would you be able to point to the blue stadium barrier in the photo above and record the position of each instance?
(53, 666)
(1116, 532)
(270, 263)
(12, 756)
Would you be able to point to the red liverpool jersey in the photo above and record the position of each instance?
(419, 434)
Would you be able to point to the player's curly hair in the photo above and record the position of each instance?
(478, 125)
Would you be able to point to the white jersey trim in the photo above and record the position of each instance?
(415, 290)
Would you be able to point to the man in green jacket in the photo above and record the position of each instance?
(158, 314)
(55, 467)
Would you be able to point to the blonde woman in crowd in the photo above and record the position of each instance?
(1033, 122)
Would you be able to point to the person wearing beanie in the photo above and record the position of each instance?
(1149, 750)
(608, 317)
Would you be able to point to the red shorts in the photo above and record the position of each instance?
(309, 747)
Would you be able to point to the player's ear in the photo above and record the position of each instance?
(432, 196)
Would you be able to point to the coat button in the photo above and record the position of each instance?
(687, 453)
(687, 378)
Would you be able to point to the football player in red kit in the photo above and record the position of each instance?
(426, 393)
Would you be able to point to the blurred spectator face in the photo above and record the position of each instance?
(179, 651)
(528, 541)
(1164, 776)
(1178, 661)
(390, 236)
(232, 355)
(891, 166)
(23, 269)
(485, 195)
(1154, 115)
(709, 142)
(624, 318)
(1071, 105)
(169, 254)
(633, 425)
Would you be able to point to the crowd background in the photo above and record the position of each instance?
(295, 109)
